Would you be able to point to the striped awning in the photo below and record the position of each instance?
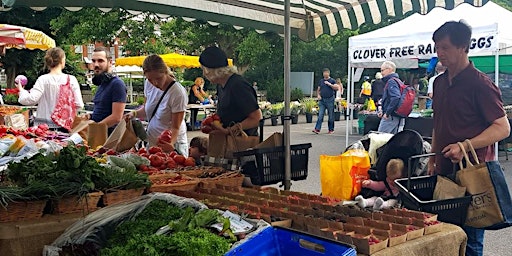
(21, 37)
(309, 18)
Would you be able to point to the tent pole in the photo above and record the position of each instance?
(497, 80)
(352, 99)
(348, 100)
(287, 68)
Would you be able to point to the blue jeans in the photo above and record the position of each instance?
(392, 124)
(324, 104)
(475, 245)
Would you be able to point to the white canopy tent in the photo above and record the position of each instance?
(131, 72)
(411, 38)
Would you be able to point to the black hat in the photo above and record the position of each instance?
(213, 57)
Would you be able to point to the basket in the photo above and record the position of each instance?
(114, 197)
(419, 198)
(26, 210)
(268, 165)
(190, 185)
(230, 179)
(73, 204)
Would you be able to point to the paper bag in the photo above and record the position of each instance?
(96, 135)
(16, 121)
(491, 207)
(275, 140)
(122, 138)
(81, 126)
(447, 189)
(223, 146)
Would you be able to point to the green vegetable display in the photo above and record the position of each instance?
(137, 237)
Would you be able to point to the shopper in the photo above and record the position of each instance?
(377, 88)
(440, 69)
(110, 98)
(467, 105)
(237, 101)
(45, 92)
(198, 148)
(366, 89)
(166, 103)
(390, 122)
(326, 92)
(197, 95)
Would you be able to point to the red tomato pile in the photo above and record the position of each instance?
(373, 240)
(162, 161)
(165, 137)
(211, 123)
(41, 131)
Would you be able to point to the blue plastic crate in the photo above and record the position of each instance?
(277, 241)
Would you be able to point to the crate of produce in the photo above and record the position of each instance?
(73, 204)
(268, 165)
(23, 210)
(119, 196)
(419, 198)
(277, 241)
(168, 182)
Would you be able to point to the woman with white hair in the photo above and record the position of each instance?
(377, 88)
(237, 100)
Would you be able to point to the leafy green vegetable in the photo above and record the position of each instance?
(136, 159)
(196, 242)
(123, 163)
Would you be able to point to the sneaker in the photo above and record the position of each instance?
(330, 132)
(316, 131)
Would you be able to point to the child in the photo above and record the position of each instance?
(198, 148)
(394, 170)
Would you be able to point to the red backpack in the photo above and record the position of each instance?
(407, 96)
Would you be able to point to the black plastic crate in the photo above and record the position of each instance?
(420, 195)
(268, 165)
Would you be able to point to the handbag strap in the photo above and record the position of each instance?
(466, 156)
(160, 101)
(473, 152)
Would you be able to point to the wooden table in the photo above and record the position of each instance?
(194, 109)
(451, 241)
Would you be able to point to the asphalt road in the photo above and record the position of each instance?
(496, 242)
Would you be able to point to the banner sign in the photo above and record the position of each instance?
(416, 45)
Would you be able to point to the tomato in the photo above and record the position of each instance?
(154, 150)
(207, 121)
(102, 150)
(165, 137)
(216, 117)
(190, 162)
(171, 164)
(43, 127)
(143, 167)
(142, 151)
(111, 152)
(206, 129)
(179, 159)
(156, 161)
(161, 154)
(172, 154)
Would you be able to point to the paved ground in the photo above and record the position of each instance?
(496, 242)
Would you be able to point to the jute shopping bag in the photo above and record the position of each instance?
(447, 189)
(491, 207)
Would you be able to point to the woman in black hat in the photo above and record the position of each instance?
(237, 101)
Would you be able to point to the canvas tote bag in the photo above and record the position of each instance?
(64, 112)
(491, 207)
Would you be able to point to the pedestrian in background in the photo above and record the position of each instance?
(326, 92)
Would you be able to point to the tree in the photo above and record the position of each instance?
(88, 25)
(139, 36)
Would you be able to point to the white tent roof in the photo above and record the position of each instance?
(488, 20)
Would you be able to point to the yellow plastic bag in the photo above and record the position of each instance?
(371, 105)
(341, 176)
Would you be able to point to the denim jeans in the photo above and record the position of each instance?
(475, 245)
(324, 104)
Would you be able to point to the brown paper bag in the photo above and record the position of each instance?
(81, 126)
(97, 134)
(122, 138)
(223, 146)
(238, 141)
(275, 140)
(447, 189)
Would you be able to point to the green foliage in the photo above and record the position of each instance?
(187, 83)
(140, 37)
(275, 90)
(88, 25)
(296, 94)
(309, 104)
